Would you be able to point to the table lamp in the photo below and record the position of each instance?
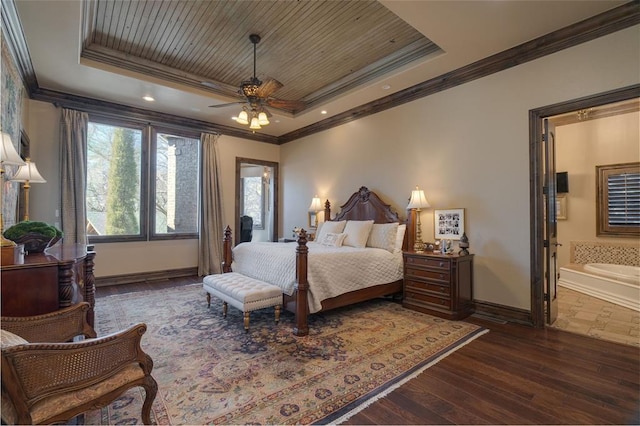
(8, 156)
(315, 207)
(418, 201)
(28, 174)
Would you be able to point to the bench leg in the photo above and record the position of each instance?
(246, 322)
(277, 313)
(224, 309)
(208, 300)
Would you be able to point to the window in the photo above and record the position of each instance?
(618, 199)
(121, 206)
(176, 184)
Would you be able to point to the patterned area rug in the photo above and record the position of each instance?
(209, 371)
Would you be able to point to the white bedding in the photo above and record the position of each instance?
(331, 271)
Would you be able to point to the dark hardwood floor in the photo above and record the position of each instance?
(512, 375)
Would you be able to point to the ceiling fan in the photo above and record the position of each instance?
(257, 95)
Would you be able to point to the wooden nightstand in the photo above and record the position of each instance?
(438, 284)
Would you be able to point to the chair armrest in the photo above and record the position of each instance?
(34, 371)
(58, 326)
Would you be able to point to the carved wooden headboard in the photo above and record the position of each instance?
(366, 205)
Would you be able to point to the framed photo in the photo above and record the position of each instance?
(449, 224)
(561, 207)
(313, 220)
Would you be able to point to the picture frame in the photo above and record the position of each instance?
(448, 224)
(561, 207)
(313, 220)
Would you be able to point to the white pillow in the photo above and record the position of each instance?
(327, 227)
(332, 239)
(400, 237)
(383, 235)
(357, 232)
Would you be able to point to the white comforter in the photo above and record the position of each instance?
(331, 271)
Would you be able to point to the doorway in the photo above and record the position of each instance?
(256, 200)
(541, 303)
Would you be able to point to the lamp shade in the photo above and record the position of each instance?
(255, 125)
(28, 173)
(418, 200)
(8, 154)
(243, 118)
(263, 120)
(316, 204)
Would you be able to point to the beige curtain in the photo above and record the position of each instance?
(211, 225)
(73, 167)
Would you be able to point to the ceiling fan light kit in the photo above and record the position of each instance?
(257, 94)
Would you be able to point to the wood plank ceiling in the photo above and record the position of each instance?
(317, 49)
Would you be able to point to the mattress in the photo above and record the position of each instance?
(331, 271)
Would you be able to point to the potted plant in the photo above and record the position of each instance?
(36, 236)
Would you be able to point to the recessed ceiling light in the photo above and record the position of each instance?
(323, 112)
(386, 87)
(148, 98)
(234, 118)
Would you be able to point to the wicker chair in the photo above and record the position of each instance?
(44, 381)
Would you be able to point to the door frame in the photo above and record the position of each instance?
(275, 196)
(536, 184)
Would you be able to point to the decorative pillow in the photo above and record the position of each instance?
(327, 227)
(357, 232)
(383, 235)
(400, 237)
(332, 239)
(9, 339)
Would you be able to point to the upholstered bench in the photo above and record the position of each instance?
(242, 292)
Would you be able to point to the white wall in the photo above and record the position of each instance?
(580, 147)
(134, 257)
(466, 147)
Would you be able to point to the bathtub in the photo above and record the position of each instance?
(619, 284)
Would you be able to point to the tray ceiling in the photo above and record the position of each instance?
(317, 49)
(339, 57)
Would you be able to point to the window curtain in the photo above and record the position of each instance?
(211, 225)
(73, 167)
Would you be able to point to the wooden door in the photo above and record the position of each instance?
(551, 223)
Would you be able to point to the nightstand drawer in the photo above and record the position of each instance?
(427, 274)
(420, 298)
(423, 261)
(438, 284)
(443, 289)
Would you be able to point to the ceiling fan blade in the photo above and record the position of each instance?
(268, 86)
(286, 104)
(227, 104)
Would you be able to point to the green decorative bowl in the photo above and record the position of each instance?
(36, 243)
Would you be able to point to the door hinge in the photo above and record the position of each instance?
(546, 243)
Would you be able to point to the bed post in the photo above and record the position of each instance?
(302, 285)
(227, 243)
(327, 210)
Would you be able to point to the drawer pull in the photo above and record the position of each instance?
(442, 276)
(443, 302)
(442, 289)
(441, 263)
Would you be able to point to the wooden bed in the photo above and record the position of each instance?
(362, 205)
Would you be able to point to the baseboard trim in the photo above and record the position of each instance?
(503, 313)
(145, 276)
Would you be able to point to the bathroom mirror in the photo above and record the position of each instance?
(257, 199)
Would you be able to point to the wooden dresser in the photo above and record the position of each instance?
(437, 284)
(47, 282)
